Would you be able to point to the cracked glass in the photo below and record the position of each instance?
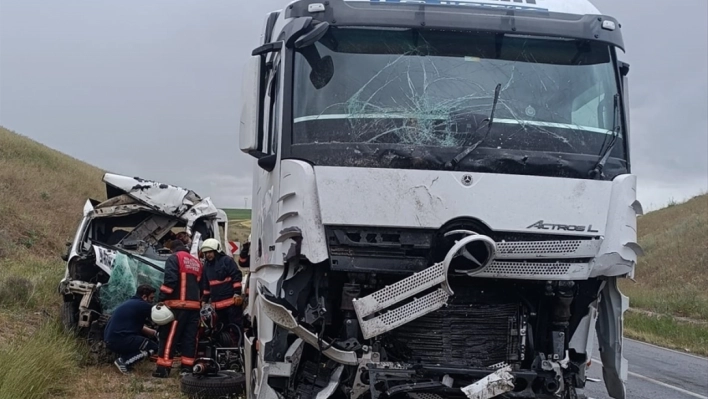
(424, 95)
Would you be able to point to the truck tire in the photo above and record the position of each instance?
(221, 385)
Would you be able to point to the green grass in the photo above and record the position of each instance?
(238, 214)
(42, 193)
(667, 332)
(671, 278)
(40, 364)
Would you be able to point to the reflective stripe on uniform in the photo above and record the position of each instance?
(223, 303)
(218, 282)
(166, 359)
(179, 304)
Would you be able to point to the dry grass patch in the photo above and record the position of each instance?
(42, 193)
(671, 277)
(239, 230)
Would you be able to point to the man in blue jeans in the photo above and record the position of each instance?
(126, 333)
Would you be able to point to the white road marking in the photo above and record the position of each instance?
(663, 384)
(667, 349)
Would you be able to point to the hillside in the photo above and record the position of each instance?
(42, 193)
(671, 278)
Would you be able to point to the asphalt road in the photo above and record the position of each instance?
(655, 373)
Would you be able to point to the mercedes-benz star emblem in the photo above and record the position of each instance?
(467, 180)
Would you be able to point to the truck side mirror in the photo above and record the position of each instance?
(249, 139)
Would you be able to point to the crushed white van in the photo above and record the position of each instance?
(120, 243)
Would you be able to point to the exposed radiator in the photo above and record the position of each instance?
(462, 335)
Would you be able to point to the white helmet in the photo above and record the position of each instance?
(210, 244)
(161, 315)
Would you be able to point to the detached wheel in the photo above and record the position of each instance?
(223, 384)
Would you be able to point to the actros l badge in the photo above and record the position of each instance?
(540, 225)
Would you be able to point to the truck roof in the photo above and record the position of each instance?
(570, 19)
(579, 7)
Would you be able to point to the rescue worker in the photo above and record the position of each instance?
(224, 286)
(126, 334)
(181, 291)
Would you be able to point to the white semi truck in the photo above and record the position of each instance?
(443, 201)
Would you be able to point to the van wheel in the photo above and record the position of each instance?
(222, 385)
(70, 317)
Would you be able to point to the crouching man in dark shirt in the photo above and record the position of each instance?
(126, 333)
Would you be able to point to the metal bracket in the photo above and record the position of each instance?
(408, 287)
(284, 318)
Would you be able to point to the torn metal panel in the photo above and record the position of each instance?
(162, 197)
(619, 250)
(282, 317)
(610, 330)
(119, 210)
(123, 199)
(584, 338)
(88, 207)
(491, 386)
(205, 208)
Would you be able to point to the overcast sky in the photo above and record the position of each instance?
(151, 88)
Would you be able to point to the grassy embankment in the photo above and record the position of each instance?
(41, 196)
(669, 299)
(42, 193)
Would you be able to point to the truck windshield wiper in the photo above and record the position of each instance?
(462, 155)
(598, 169)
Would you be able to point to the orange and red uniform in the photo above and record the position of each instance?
(181, 291)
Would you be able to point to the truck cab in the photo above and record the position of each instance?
(443, 200)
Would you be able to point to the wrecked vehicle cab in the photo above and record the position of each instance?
(443, 200)
(121, 243)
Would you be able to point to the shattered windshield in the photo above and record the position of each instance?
(381, 94)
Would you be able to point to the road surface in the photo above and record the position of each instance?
(655, 373)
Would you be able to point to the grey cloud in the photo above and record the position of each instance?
(667, 47)
(152, 88)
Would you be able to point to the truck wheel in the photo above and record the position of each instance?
(223, 384)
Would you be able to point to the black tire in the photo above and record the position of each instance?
(223, 384)
(70, 317)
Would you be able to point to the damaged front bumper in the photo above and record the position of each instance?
(389, 296)
(437, 382)
(86, 291)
